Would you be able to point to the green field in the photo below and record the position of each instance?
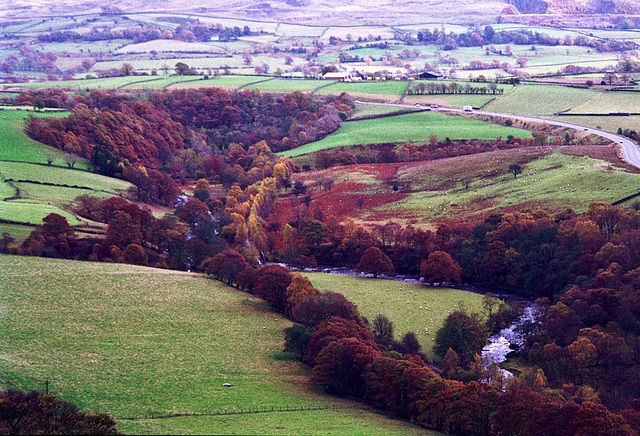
(610, 124)
(58, 195)
(411, 306)
(17, 146)
(392, 89)
(364, 110)
(605, 102)
(103, 83)
(133, 341)
(450, 100)
(6, 190)
(540, 100)
(32, 213)
(287, 85)
(410, 127)
(62, 176)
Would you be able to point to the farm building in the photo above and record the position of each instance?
(338, 76)
(429, 75)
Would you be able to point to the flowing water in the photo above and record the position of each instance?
(500, 344)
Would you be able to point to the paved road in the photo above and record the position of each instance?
(630, 150)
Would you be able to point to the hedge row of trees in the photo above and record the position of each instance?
(454, 88)
(588, 265)
(349, 358)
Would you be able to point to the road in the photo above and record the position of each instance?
(630, 151)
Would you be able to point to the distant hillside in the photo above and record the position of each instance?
(576, 6)
(329, 12)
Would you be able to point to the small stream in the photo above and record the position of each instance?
(507, 340)
(500, 344)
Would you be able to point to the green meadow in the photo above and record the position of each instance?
(15, 145)
(133, 341)
(411, 306)
(415, 127)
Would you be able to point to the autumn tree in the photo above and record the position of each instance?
(340, 365)
(334, 328)
(440, 267)
(312, 310)
(271, 285)
(299, 289)
(463, 333)
(192, 210)
(135, 254)
(226, 266)
(374, 261)
(37, 413)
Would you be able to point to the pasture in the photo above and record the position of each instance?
(606, 102)
(411, 306)
(15, 145)
(22, 171)
(32, 213)
(134, 341)
(540, 100)
(415, 127)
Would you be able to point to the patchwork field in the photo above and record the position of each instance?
(411, 306)
(133, 341)
(434, 191)
(15, 145)
(410, 127)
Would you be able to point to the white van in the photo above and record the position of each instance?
(467, 108)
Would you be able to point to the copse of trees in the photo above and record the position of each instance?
(24, 413)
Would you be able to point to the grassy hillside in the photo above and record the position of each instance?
(411, 306)
(410, 127)
(434, 191)
(15, 145)
(134, 341)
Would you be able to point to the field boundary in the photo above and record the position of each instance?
(625, 199)
(391, 114)
(325, 86)
(240, 411)
(256, 82)
(139, 81)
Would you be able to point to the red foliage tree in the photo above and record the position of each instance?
(192, 210)
(335, 328)
(374, 261)
(313, 310)
(271, 285)
(440, 267)
(340, 365)
(135, 254)
(36, 413)
(226, 266)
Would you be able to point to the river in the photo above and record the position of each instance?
(500, 344)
